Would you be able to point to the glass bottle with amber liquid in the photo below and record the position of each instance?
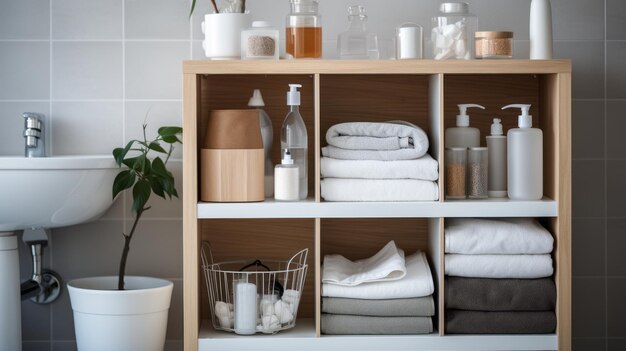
(304, 30)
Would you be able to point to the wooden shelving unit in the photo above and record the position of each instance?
(423, 92)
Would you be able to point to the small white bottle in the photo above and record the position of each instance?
(524, 158)
(540, 30)
(286, 179)
(463, 135)
(496, 145)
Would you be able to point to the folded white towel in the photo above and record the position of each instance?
(418, 282)
(499, 266)
(392, 135)
(386, 265)
(336, 189)
(424, 168)
(497, 236)
(381, 155)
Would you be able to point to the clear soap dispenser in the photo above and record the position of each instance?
(356, 43)
(293, 137)
(525, 158)
(463, 135)
(267, 134)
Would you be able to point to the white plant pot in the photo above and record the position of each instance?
(222, 34)
(107, 319)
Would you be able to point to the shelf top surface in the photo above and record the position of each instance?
(378, 67)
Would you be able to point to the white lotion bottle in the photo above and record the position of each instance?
(293, 136)
(524, 158)
(267, 134)
(286, 179)
(496, 146)
(540, 30)
(463, 135)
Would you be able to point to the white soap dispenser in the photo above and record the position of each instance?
(463, 135)
(267, 134)
(496, 145)
(525, 158)
(287, 178)
(293, 136)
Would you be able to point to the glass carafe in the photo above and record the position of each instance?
(303, 33)
(356, 43)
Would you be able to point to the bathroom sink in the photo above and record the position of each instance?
(50, 192)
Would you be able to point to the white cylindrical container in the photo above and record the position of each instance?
(409, 41)
(496, 145)
(245, 307)
(540, 30)
(222, 32)
(287, 179)
(10, 303)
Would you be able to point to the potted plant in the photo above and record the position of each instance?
(222, 29)
(129, 312)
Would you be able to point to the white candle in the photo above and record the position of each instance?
(245, 308)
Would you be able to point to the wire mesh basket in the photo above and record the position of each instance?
(256, 296)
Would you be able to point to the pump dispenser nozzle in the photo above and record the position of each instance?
(462, 119)
(524, 120)
(257, 99)
(287, 160)
(496, 127)
(293, 96)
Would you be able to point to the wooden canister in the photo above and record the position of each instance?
(232, 159)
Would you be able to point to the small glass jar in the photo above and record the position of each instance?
(260, 42)
(477, 173)
(303, 33)
(494, 45)
(409, 41)
(456, 161)
(453, 32)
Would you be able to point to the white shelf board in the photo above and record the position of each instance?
(302, 338)
(426, 209)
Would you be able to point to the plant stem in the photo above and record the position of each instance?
(215, 6)
(127, 239)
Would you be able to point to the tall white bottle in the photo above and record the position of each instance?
(293, 137)
(496, 146)
(540, 30)
(463, 135)
(524, 158)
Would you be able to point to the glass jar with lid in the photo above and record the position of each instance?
(453, 32)
(303, 35)
(494, 45)
(260, 42)
(356, 43)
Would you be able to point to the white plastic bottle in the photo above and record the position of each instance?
(540, 30)
(293, 136)
(525, 158)
(463, 135)
(286, 178)
(267, 134)
(496, 145)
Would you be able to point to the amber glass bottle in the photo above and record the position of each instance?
(304, 30)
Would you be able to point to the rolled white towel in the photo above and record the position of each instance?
(225, 314)
(269, 323)
(283, 311)
(291, 297)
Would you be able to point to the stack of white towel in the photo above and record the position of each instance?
(378, 162)
(383, 294)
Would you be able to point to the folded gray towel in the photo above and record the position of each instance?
(480, 294)
(413, 307)
(477, 322)
(389, 136)
(362, 325)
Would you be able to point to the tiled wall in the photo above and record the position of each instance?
(96, 68)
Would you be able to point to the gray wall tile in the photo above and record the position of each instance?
(35, 321)
(87, 70)
(616, 242)
(11, 132)
(174, 345)
(588, 246)
(616, 292)
(616, 122)
(588, 307)
(64, 346)
(24, 70)
(587, 66)
(509, 15)
(170, 208)
(588, 198)
(25, 19)
(616, 74)
(616, 19)
(616, 191)
(175, 314)
(157, 19)
(588, 129)
(156, 239)
(94, 19)
(154, 69)
(35, 346)
(617, 344)
(63, 318)
(578, 19)
(588, 344)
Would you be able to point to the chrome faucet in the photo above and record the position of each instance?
(33, 135)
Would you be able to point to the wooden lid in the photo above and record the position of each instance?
(493, 35)
(233, 129)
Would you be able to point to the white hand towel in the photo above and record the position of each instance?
(381, 155)
(499, 266)
(424, 168)
(335, 189)
(418, 282)
(386, 265)
(473, 236)
(393, 135)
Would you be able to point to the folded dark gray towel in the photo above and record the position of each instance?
(413, 307)
(477, 322)
(361, 325)
(479, 294)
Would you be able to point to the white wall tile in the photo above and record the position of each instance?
(86, 128)
(154, 69)
(578, 19)
(12, 125)
(157, 19)
(93, 19)
(24, 70)
(157, 249)
(25, 19)
(197, 50)
(86, 70)
(155, 114)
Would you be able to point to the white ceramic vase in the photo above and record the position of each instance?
(108, 319)
(222, 34)
(540, 30)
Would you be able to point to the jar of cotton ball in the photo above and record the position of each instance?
(260, 42)
(453, 32)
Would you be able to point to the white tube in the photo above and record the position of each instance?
(10, 303)
(245, 308)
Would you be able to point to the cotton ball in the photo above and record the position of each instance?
(267, 306)
(270, 323)
(291, 296)
(283, 311)
(222, 309)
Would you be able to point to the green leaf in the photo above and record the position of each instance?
(170, 131)
(156, 147)
(170, 139)
(158, 167)
(156, 186)
(119, 153)
(124, 180)
(136, 163)
(141, 194)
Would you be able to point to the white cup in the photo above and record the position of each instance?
(222, 34)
